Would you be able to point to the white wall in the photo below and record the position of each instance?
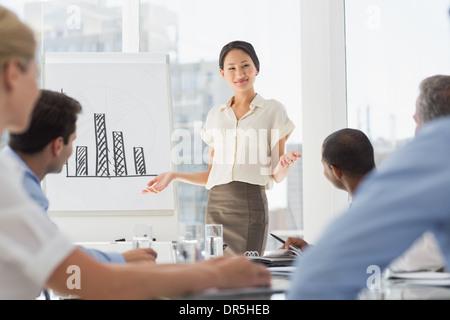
(323, 106)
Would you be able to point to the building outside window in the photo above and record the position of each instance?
(391, 46)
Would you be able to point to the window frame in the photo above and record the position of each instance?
(324, 106)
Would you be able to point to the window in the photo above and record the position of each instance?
(82, 26)
(391, 46)
(71, 26)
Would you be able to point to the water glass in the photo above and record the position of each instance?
(213, 240)
(187, 251)
(142, 236)
(190, 242)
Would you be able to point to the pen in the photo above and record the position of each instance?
(294, 248)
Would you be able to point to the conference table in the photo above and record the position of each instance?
(424, 285)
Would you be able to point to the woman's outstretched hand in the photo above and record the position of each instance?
(159, 183)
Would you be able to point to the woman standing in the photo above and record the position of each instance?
(246, 139)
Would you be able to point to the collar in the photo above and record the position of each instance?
(13, 155)
(257, 101)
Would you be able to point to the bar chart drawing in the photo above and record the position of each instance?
(123, 133)
(104, 167)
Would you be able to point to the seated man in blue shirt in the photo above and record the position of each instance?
(405, 197)
(45, 147)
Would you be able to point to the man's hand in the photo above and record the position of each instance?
(140, 255)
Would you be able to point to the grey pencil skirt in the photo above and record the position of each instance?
(243, 211)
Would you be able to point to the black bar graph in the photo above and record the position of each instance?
(103, 165)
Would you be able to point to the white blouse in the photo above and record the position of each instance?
(31, 246)
(243, 148)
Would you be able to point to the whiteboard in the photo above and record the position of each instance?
(123, 134)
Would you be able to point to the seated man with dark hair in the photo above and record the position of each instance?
(347, 156)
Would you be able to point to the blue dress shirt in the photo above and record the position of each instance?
(407, 195)
(32, 185)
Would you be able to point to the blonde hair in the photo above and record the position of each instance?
(17, 40)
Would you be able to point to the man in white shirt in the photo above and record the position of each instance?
(30, 246)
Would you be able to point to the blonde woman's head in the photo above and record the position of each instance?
(18, 73)
(17, 40)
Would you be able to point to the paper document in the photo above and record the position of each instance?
(430, 278)
(279, 257)
(424, 275)
(285, 270)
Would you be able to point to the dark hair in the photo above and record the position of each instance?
(241, 45)
(349, 150)
(54, 115)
